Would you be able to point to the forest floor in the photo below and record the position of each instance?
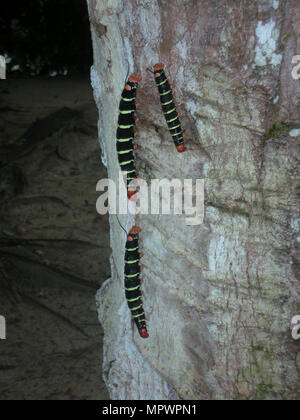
(54, 247)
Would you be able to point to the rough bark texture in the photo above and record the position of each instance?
(220, 296)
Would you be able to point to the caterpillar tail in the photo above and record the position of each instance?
(144, 333)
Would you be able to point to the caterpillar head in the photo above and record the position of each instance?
(133, 81)
(143, 333)
(158, 69)
(134, 231)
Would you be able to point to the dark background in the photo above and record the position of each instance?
(42, 36)
(54, 247)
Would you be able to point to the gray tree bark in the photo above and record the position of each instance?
(220, 296)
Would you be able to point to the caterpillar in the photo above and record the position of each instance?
(169, 107)
(133, 282)
(125, 131)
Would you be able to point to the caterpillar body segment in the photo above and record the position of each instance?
(169, 107)
(125, 132)
(133, 281)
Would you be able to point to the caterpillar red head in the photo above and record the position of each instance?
(134, 231)
(133, 81)
(158, 69)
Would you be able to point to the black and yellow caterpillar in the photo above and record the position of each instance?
(125, 131)
(169, 107)
(133, 282)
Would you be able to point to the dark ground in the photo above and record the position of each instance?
(54, 247)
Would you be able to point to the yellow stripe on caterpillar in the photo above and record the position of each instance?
(134, 299)
(166, 93)
(127, 99)
(124, 127)
(123, 152)
(167, 103)
(161, 83)
(173, 128)
(132, 249)
(130, 276)
(176, 134)
(137, 316)
(173, 119)
(125, 140)
(132, 289)
(169, 112)
(132, 262)
(136, 308)
(125, 112)
(126, 163)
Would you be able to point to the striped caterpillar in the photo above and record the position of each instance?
(125, 131)
(133, 282)
(169, 107)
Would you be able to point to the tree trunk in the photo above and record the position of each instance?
(220, 296)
